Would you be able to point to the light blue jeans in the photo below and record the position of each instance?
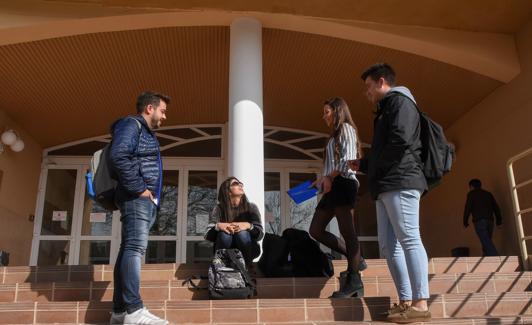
(400, 242)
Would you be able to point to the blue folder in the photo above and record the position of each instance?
(302, 192)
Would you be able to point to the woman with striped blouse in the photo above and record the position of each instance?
(339, 186)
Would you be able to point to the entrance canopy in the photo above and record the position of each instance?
(65, 78)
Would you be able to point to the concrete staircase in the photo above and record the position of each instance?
(469, 290)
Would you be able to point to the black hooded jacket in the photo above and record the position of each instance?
(393, 162)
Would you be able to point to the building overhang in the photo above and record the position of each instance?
(69, 72)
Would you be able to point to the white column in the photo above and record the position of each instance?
(245, 130)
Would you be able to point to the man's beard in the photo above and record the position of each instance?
(155, 124)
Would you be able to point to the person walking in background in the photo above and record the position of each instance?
(340, 186)
(482, 205)
(136, 160)
(396, 182)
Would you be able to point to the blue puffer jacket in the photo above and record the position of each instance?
(135, 159)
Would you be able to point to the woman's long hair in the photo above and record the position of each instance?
(224, 201)
(341, 114)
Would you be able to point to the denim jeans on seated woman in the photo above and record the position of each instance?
(138, 216)
(240, 240)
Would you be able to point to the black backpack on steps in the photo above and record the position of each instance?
(228, 277)
(308, 260)
(294, 253)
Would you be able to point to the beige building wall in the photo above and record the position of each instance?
(496, 129)
(18, 194)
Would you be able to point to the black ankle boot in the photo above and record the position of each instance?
(353, 287)
(343, 275)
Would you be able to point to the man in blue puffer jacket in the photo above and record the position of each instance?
(136, 161)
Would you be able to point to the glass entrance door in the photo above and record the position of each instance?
(52, 242)
(71, 229)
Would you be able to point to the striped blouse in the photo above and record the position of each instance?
(348, 151)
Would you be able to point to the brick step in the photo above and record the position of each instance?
(477, 305)
(505, 320)
(267, 288)
(163, 272)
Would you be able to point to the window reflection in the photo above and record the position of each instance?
(301, 215)
(161, 252)
(199, 251)
(166, 222)
(59, 202)
(202, 193)
(272, 202)
(94, 252)
(97, 221)
(53, 252)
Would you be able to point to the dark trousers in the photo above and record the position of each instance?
(240, 240)
(484, 229)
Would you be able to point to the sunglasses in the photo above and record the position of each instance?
(237, 184)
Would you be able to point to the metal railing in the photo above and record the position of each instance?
(518, 212)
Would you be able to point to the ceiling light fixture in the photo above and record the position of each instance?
(11, 138)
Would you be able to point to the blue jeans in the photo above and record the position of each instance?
(484, 229)
(240, 240)
(138, 216)
(400, 242)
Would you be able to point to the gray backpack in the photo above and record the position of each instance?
(228, 277)
(101, 182)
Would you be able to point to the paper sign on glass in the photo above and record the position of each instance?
(202, 220)
(98, 217)
(59, 215)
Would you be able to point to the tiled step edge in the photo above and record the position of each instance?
(33, 274)
(272, 310)
(268, 288)
(435, 321)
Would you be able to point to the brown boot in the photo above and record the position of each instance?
(410, 315)
(396, 308)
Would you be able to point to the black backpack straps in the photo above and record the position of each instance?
(188, 281)
(241, 268)
(421, 117)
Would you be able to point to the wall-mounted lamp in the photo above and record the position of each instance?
(10, 138)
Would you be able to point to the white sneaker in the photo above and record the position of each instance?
(143, 317)
(117, 318)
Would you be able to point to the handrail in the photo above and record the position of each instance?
(518, 212)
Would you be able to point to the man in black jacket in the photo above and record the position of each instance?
(396, 183)
(483, 206)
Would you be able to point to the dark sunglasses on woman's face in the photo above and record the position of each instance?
(237, 184)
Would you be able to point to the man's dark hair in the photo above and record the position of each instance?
(380, 70)
(475, 183)
(150, 98)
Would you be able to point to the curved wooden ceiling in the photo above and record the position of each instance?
(494, 16)
(65, 89)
